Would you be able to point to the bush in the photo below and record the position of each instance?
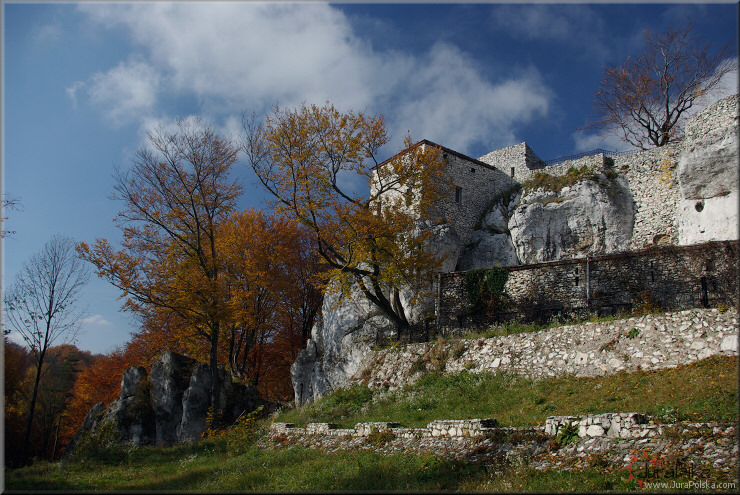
(380, 438)
(100, 445)
(568, 434)
(239, 436)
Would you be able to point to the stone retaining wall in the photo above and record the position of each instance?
(652, 341)
(609, 425)
(671, 277)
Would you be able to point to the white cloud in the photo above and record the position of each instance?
(96, 320)
(727, 86)
(126, 91)
(237, 56)
(451, 103)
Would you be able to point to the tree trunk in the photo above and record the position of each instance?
(29, 422)
(216, 388)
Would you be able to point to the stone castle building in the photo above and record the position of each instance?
(656, 226)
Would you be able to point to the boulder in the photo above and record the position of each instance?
(170, 378)
(590, 217)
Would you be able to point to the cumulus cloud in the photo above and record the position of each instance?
(96, 320)
(451, 103)
(124, 92)
(576, 25)
(235, 56)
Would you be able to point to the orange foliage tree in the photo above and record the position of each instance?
(310, 158)
(175, 195)
(272, 277)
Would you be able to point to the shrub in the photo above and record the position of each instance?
(240, 435)
(101, 444)
(486, 289)
(568, 434)
(380, 438)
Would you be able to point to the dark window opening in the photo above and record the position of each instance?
(576, 281)
(512, 171)
(472, 170)
(652, 276)
(458, 195)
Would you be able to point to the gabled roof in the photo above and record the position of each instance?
(444, 150)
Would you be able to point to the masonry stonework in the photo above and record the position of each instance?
(670, 277)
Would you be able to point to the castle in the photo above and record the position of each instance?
(650, 227)
(662, 202)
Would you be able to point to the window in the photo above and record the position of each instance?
(512, 172)
(458, 195)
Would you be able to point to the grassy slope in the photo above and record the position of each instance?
(704, 391)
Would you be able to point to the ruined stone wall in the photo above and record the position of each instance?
(518, 161)
(671, 277)
(723, 113)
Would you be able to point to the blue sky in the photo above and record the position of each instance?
(84, 82)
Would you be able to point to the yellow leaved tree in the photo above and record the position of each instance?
(311, 160)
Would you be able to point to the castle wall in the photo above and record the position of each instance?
(672, 277)
(654, 187)
(478, 185)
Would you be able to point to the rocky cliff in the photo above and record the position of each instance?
(170, 406)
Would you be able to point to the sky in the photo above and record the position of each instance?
(83, 83)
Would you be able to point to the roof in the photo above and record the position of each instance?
(444, 150)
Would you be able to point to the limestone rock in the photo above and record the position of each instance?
(587, 218)
(132, 413)
(729, 344)
(708, 175)
(170, 377)
(444, 242)
(90, 423)
(340, 339)
(488, 250)
(195, 403)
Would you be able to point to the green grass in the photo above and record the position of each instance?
(702, 391)
(514, 327)
(555, 183)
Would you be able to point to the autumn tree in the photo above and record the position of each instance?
(307, 159)
(272, 288)
(41, 308)
(646, 99)
(18, 381)
(175, 195)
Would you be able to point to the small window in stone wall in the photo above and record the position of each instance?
(512, 171)
(458, 195)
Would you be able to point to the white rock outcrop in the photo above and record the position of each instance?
(587, 218)
(344, 333)
(708, 176)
